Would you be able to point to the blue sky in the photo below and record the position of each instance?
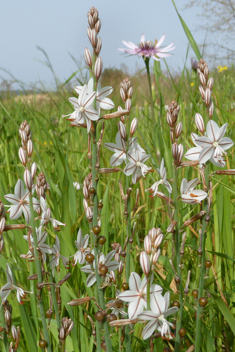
(59, 27)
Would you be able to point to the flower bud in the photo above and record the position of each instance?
(24, 137)
(85, 192)
(202, 92)
(90, 20)
(89, 33)
(134, 125)
(153, 234)
(85, 204)
(113, 276)
(33, 169)
(122, 94)
(130, 92)
(120, 269)
(2, 225)
(22, 156)
(122, 130)
(156, 256)
(210, 83)
(147, 244)
(211, 109)
(93, 39)
(169, 120)
(98, 46)
(98, 26)
(29, 147)
(14, 332)
(202, 79)
(207, 96)
(89, 214)
(28, 179)
(194, 218)
(62, 333)
(98, 67)
(180, 153)
(128, 104)
(199, 123)
(87, 57)
(144, 263)
(158, 240)
(70, 328)
(178, 129)
(206, 71)
(1, 243)
(7, 316)
(175, 151)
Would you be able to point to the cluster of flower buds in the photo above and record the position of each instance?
(2, 224)
(66, 328)
(7, 315)
(15, 332)
(126, 92)
(151, 253)
(92, 32)
(25, 153)
(175, 131)
(206, 85)
(88, 193)
(41, 185)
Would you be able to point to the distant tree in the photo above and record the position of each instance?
(219, 16)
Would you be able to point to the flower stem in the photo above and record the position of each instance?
(38, 267)
(146, 61)
(148, 308)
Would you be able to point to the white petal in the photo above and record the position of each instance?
(86, 269)
(142, 39)
(149, 329)
(107, 104)
(79, 239)
(171, 311)
(129, 296)
(204, 142)
(222, 131)
(206, 154)
(91, 280)
(134, 281)
(212, 130)
(167, 300)
(157, 303)
(136, 308)
(161, 40)
(226, 143)
(15, 211)
(193, 153)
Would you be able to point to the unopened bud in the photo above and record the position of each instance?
(211, 109)
(90, 20)
(98, 46)
(33, 277)
(210, 83)
(85, 204)
(109, 170)
(30, 147)
(14, 332)
(130, 92)
(98, 67)
(2, 225)
(202, 92)
(134, 125)
(202, 79)
(226, 172)
(175, 151)
(180, 153)
(152, 234)
(87, 57)
(128, 104)
(85, 192)
(147, 244)
(199, 123)
(206, 71)
(156, 256)
(158, 240)
(122, 130)
(169, 120)
(24, 137)
(122, 94)
(93, 39)
(171, 227)
(22, 156)
(120, 269)
(33, 170)
(62, 334)
(207, 96)
(98, 26)
(89, 214)
(178, 129)
(28, 179)
(194, 218)
(144, 263)
(1, 243)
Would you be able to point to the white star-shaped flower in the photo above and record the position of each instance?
(156, 316)
(162, 172)
(82, 246)
(136, 166)
(212, 146)
(83, 109)
(55, 261)
(189, 194)
(46, 215)
(137, 295)
(102, 102)
(6, 289)
(42, 247)
(20, 201)
(101, 260)
(119, 149)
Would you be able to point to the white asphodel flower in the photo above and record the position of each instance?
(136, 166)
(82, 246)
(212, 146)
(101, 260)
(83, 109)
(43, 248)
(189, 194)
(157, 316)
(55, 261)
(163, 181)
(119, 150)
(46, 215)
(102, 102)
(137, 295)
(6, 289)
(116, 305)
(20, 201)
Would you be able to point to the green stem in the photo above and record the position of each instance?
(146, 61)
(54, 301)
(38, 267)
(5, 339)
(148, 307)
(178, 259)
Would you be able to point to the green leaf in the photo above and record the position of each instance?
(226, 312)
(222, 255)
(188, 34)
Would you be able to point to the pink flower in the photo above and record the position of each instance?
(148, 49)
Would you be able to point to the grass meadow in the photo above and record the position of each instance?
(60, 152)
